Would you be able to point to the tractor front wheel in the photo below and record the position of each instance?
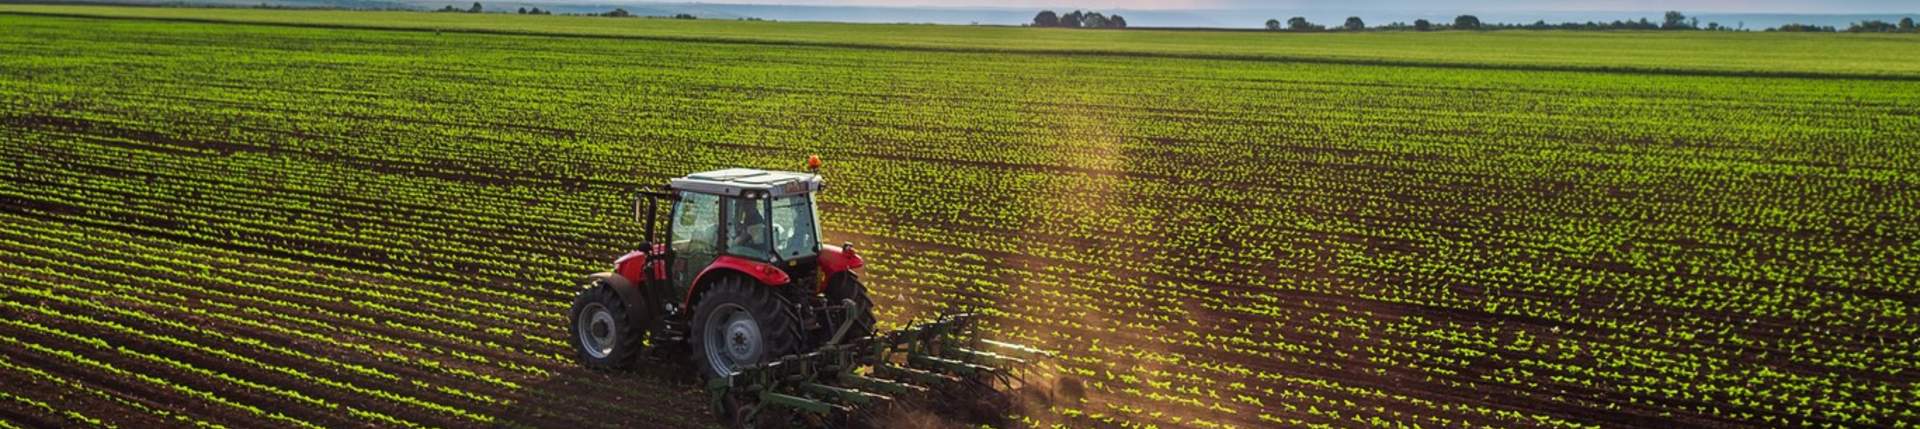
(601, 334)
(739, 323)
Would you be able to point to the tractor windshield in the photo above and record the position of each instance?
(772, 229)
(796, 236)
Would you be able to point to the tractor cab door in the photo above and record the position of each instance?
(695, 237)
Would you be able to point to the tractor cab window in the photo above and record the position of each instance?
(695, 236)
(795, 234)
(748, 233)
(694, 223)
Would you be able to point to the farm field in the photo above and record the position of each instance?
(244, 225)
(1855, 55)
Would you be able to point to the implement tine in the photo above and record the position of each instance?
(891, 387)
(801, 404)
(949, 365)
(1024, 350)
(991, 358)
(915, 375)
(846, 395)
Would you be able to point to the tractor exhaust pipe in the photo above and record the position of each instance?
(652, 214)
(646, 219)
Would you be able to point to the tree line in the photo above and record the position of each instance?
(1078, 19)
(1673, 20)
(1869, 26)
(475, 9)
(616, 12)
(623, 13)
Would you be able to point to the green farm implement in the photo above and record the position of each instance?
(827, 386)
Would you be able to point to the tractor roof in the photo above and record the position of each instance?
(739, 181)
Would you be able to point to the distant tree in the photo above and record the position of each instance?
(1078, 19)
(1874, 26)
(1046, 18)
(1466, 22)
(449, 8)
(475, 8)
(619, 13)
(1422, 25)
(1675, 21)
(1354, 24)
(1906, 24)
(1272, 24)
(522, 11)
(1300, 23)
(1803, 28)
(1714, 26)
(684, 16)
(1093, 20)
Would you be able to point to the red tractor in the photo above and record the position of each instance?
(775, 321)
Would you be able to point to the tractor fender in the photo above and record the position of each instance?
(835, 259)
(633, 267)
(761, 272)
(639, 312)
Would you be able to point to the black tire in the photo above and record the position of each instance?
(844, 286)
(773, 321)
(605, 325)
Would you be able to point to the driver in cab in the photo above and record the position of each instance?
(748, 237)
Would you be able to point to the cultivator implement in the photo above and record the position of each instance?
(838, 381)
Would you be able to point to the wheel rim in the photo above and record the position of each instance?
(733, 338)
(597, 330)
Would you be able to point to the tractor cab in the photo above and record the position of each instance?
(736, 229)
(765, 217)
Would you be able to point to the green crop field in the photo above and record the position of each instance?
(251, 218)
(1885, 55)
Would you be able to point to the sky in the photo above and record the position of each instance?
(1723, 6)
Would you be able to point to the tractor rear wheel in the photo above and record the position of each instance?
(845, 286)
(602, 336)
(739, 323)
